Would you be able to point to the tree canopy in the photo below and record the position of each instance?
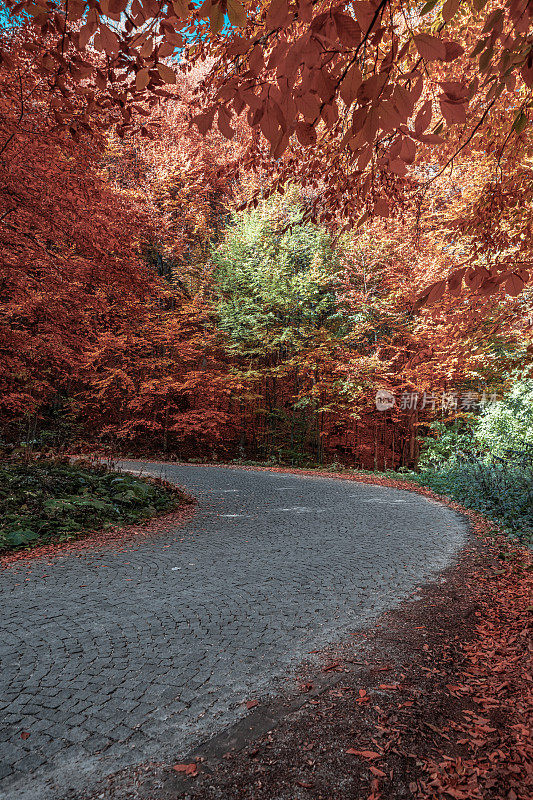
(362, 102)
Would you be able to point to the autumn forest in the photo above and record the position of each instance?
(177, 285)
(293, 234)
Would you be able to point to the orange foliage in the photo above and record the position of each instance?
(106, 240)
(70, 245)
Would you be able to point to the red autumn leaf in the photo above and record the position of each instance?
(365, 13)
(335, 665)
(187, 769)
(350, 84)
(142, 79)
(277, 13)
(109, 40)
(369, 754)
(382, 208)
(306, 133)
(489, 287)
(450, 9)
(408, 150)
(372, 87)
(223, 123)
(166, 73)
(423, 117)
(453, 50)
(397, 165)
(204, 121)
(377, 772)
(236, 13)
(251, 703)
(514, 285)
(348, 29)
(309, 106)
(455, 281)
(436, 291)
(474, 277)
(362, 699)
(453, 113)
(430, 47)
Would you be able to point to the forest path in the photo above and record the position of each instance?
(137, 652)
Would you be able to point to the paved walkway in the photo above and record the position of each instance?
(113, 657)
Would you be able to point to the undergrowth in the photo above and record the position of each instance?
(503, 493)
(43, 502)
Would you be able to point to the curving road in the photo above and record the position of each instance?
(127, 654)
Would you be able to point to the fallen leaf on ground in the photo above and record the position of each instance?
(188, 769)
(371, 754)
(330, 667)
(363, 697)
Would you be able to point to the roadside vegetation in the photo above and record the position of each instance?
(486, 462)
(47, 501)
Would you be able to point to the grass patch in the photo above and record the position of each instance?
(44, 502)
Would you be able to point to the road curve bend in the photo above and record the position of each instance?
(113, 657)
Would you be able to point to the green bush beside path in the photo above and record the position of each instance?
(43, 502)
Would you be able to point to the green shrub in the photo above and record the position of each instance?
(508, 424)
(487, 463)
(446, 442)
(501, 491)
(47, 501)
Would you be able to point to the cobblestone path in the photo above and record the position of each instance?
(116, 656)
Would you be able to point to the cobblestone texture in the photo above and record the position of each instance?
(113, 657)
